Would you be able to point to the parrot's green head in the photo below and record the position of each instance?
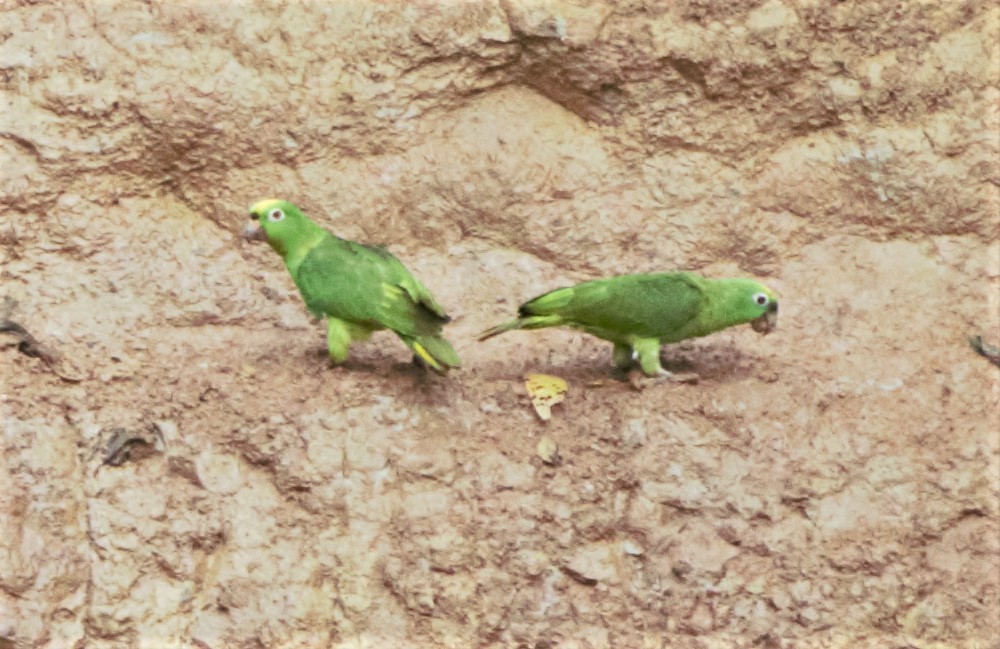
(750, 301)
(279, 223)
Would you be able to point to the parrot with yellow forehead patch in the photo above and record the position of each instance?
(638, 313)
(359, 288)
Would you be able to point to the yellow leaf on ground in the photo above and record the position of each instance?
(545, 391)
(548, 450)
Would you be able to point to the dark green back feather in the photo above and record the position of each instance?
(366, 285)
(653, 305)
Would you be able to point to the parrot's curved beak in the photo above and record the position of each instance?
(768, 322)
(253, 231)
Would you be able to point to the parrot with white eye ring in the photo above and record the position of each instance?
(358, 288)
(638, 313)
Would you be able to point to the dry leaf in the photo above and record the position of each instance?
(126, 445)
(545, 392)
(989, 352)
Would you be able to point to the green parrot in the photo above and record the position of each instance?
(638, 313)
(359, 288)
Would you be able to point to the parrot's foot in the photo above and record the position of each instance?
(624, 357)
(640, 381)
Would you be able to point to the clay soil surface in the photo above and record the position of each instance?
(833, 484)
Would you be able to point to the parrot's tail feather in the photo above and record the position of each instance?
(499, 329)
(527, 322)
(436, 352)
(549, 304)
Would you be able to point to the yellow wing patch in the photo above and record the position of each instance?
(545, 391)
(390, 295)
(426, 357)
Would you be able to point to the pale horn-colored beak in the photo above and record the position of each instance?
(253, 231)
(767, 322)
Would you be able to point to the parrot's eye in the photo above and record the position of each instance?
(760, 299)
(275, 215)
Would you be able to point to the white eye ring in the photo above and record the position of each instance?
(275, 215)
(760, 299)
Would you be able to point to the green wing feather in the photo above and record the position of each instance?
(646, 305)
(368, 286)
(658, 305)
